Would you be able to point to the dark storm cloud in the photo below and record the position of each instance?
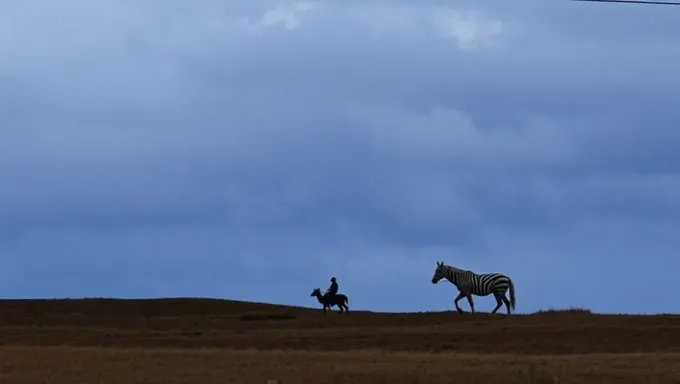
(206, 149)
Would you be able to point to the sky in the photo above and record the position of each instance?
(253, 149)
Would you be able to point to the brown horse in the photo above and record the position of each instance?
(329, 301)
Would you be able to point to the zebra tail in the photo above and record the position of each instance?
(512, 295)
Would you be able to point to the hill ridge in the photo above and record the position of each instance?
(248, 305)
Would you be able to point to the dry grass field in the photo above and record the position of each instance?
(218, 341)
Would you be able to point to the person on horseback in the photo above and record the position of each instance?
(333, 288)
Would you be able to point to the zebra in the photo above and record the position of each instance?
(470, 283)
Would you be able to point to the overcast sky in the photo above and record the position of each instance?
(253, 149)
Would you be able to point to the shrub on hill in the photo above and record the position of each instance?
(565, 310)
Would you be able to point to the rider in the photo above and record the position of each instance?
(333, 288)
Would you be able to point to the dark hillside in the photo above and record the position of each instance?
(198, 323)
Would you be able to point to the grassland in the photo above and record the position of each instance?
(217, 341)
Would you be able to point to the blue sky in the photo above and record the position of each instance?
(252, 149)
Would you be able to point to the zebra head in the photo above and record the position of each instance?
(439, 273)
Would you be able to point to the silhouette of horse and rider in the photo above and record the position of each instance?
(331, 297)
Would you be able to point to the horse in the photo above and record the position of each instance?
(329, 301)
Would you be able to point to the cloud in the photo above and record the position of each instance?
(286, 16)
(466, 27)
(254, 149)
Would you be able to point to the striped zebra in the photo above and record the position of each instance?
(470, 283)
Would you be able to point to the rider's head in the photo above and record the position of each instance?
(333, 279)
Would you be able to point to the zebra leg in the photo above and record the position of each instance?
(472, 305)
(460, 296)
(498, 302)
(507, 303)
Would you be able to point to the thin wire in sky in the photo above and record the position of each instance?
(631, 2)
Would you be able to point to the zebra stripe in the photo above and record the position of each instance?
(470, 283)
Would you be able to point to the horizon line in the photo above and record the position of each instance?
(572, 309)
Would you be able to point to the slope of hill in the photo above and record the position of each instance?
(572, 345)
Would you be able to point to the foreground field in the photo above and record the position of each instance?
(211, 341)
(136, 366)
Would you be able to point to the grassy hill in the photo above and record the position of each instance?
(158, 340)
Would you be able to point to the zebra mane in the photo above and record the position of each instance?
(454, 268)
